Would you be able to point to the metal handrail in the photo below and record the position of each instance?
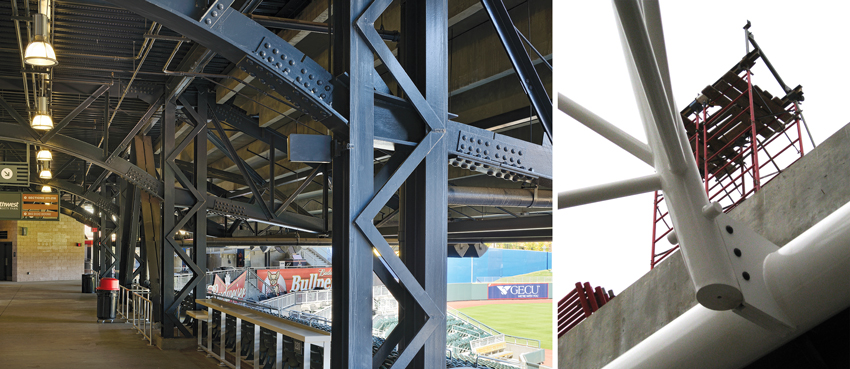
(142, 316)
(471, 320)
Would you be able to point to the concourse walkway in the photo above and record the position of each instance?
(53, 325)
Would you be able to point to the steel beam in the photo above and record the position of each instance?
(73, 114)
(252, 47)
(151, 231)
(22, 122)
(523, 66)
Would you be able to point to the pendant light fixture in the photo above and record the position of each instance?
(46, 189)
(42, 120)
(45, 173)
(40, 52)
(43, 155)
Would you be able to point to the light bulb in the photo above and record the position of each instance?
(44, 155)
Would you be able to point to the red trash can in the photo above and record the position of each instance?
(107, 299)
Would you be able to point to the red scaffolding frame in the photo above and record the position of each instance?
(734, 128)
(579, 304)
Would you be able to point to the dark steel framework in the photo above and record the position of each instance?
(355, 104)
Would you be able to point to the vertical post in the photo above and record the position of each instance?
(167, 255)
(755, 141)
(353, 184)
(95, 247)
(129, 220)
(704, 149)
(654, 224)
(272, 162)
(799, 131)
(422, 216)
(199, 251)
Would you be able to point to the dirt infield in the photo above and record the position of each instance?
(466, 304)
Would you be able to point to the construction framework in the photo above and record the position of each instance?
(752, 296)
(736, 131)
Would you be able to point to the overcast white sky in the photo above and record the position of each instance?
(608, 244)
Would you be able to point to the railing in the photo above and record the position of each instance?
(477, 359)
(250, 304)
(305, 297)
(310, 318)
(180, 280)
(522, 341)
(326, 313)
(142, 314)
(124, 299)
(515, 279)
(280, 302)
(579, 304)
(486, 341)
(471, 321)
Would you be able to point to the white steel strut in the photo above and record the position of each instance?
(734, 270)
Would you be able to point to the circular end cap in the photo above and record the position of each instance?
(720, 297)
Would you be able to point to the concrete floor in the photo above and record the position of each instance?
(53, 325)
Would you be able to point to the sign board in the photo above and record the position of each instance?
(233, 289)
(281, 281)
(506, 291)
(29, 206)
(14, 174)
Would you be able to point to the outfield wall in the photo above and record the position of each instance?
(478, 291)
(497, 263)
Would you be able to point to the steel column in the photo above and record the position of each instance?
(169, 321)
(352, 168)
(151, 232)
(129, 226)
(423, 220)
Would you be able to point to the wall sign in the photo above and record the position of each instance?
(498, 291)
(28, 206)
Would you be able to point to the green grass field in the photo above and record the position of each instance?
(522, 320)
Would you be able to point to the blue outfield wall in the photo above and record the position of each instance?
(487, 291)
(497, 263)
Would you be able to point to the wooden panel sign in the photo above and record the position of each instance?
(40, 206)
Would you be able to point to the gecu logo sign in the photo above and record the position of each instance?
(519, 290)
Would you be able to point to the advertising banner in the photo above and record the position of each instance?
(218, 286)
(498, 291)
(281, 281)
(236, 288)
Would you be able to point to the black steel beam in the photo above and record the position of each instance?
(22, 122)
(252, 47)
(530, 80)
(73, 114)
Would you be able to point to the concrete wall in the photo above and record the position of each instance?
(48, 252)
(801, 196)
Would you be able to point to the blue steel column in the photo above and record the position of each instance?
(423, 218)
(353, 184)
